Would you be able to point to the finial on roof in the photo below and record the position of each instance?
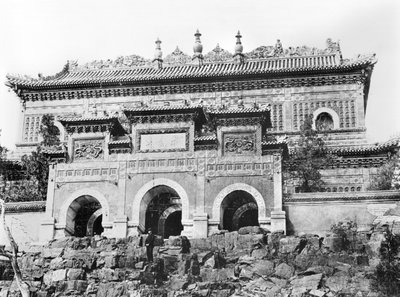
(198, 48)
(238, 56)
(158, 54)
(238, 46)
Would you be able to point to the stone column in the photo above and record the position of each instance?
(278, 216)
(47, 224)
(120, 225)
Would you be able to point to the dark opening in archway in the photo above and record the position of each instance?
(97, 226)
(173, 224)
(84, 211)
(239, 209)
(324, 122)
(159, 217)
(248, 218)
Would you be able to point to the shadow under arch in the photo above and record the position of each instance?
(141, 201)
(217, 212)
(70, 207)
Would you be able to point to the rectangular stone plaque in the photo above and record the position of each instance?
(163, 142)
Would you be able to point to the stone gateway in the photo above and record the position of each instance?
(190, 145)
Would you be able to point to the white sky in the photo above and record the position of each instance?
(40, 36)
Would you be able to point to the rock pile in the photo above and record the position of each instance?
(245, 263)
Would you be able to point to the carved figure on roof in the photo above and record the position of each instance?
(261, 52)
(177, 57)
(218, 54)
(128, 61)
(278, 51)
(332, 46)
(72, 64)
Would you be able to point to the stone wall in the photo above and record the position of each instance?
(25, 226)
(316, 212)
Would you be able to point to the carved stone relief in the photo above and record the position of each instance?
(239, 143)
(88, 149)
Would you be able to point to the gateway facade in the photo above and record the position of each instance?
(192, 144)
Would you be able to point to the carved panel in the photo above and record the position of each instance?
(162, 140)
(88, 149)
(239, 143)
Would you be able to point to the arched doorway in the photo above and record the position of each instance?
(84, 217)
(238, 209)
(163, 209)
(324, 122)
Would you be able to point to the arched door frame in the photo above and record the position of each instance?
(92, 219)
(241, 210)
(217, 210)
(331, 112)
(163, 218)
(139, 210)
(62, 217)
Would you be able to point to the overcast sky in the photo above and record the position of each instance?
(40, 36)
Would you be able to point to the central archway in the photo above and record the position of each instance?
(152, 201)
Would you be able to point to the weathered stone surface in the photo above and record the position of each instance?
(52, 252)
(337, 282)
(57, 263)
(288, 244)
(263, 268)
(309, 282)
(75, 274)
(251, 230)
(177, 283)
(259, 253)
(284, 270)
(59, 275)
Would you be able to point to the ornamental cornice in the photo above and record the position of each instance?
(343, 196)
(30, 206)
(163, 118)
(160, 89)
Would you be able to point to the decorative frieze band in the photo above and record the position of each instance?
(195, 88)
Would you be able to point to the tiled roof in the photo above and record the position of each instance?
(366, 149)
(125, 140)
(177, 73)
(86, 119)
(206, 138)
(165, 108)
(237, 111)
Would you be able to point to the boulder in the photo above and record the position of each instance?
(259, 253)
(288, 244)
(284, 270)
(59, 275)
(337, 282)
(177, 283)
(309, 282)
(57, 263)
(263, 268)
(251, 230)
(75, 274)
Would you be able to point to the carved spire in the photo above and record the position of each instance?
(278, 50)
(238, 56)
(158, 54)
(198, 48)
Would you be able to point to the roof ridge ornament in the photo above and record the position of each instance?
(198, 49)
(238, 56)
(177, 57)
(158, 54)
(218, 54)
